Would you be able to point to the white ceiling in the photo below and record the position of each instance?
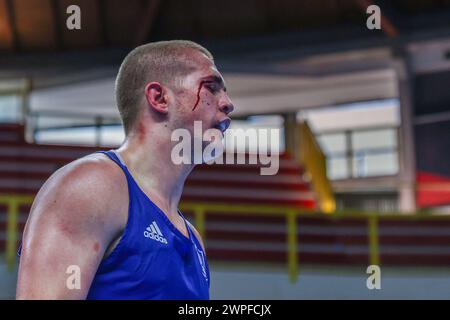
(316, 81)
(251, 94)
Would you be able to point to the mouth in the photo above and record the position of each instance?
(223, 125)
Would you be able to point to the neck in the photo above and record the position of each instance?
(147, 155)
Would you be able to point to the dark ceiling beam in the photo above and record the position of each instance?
(386, 24)
(10, 13)
(5, 28)
(56, 11)
(103, 22)
(148, 20)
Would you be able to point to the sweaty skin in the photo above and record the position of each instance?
(79, 214)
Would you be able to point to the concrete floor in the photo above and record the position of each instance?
(252, 281)
(239, 282)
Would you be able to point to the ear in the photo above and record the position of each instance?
(156, 97)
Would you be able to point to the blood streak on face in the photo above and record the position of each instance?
(198, 92)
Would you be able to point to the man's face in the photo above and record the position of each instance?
(204, 98)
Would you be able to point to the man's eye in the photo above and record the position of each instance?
(213, 88)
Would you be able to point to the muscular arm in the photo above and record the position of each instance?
(75, 216)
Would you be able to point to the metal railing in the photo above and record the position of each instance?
(13, 203)
(201, 210)
(314, 161)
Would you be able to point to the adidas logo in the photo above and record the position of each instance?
(154, 233)
(201, 259)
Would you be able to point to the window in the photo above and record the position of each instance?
(374, 152)
(73, 130)
(10, 108)
(359, 140)
(83, 136)
(112, 135)
(260, 142)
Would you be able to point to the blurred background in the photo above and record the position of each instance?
(364, 117)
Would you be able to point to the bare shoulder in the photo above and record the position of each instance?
(88, 188)
(197, 234)
(76, 214)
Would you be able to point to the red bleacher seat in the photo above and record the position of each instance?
(245, 237)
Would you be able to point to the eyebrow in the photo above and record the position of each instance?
(214, 78)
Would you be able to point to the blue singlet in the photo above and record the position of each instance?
(153, 259)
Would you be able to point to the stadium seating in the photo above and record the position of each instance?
(321, 239)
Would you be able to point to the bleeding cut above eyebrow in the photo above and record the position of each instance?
(208, 79)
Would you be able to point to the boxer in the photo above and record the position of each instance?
(113, 216)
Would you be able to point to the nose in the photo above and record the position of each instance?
(226, 106)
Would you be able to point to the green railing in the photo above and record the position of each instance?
(13, 203)
(314, 162)
(201, 210)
